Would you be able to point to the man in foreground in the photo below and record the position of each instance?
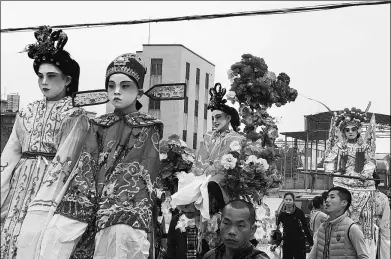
(339, 236)
(236, 229)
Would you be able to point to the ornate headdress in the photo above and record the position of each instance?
(353, 117)
(49, 48)
(217, 102)
(131, 65)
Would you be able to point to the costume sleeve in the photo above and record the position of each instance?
(171, 240)
(331, 159)
(357, 238)
(61, 237)
(77, 207)
(384, 223)
(9, 159)
(71, 139)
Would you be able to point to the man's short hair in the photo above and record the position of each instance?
(241, 204)
(343, 194)
(310, 205)
(317, 201)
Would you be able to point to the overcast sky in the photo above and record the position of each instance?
(340, 57)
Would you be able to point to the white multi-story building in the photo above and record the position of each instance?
(13, 101)
(174, 63)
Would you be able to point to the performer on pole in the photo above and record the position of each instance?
(350, 154)
(217, 143)
(43, 147)
(112, 192)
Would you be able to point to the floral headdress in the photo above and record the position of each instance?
(353, 117)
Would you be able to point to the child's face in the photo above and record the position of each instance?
(122, 91)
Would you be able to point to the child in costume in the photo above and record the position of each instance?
(112, 192)
(44, 145)
(350, 154)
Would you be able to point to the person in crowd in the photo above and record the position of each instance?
(350, 154)
(295, 229)
(324, 197)
(107, 211)
(317, 214)
(44, 145)
(382, 220)
(339, 236)
(236, 229)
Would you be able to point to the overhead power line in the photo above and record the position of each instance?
(208, 16)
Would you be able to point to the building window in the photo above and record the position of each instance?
(198, 76)
(154, 105)
(206, 81)
(186, 104)
(205, 111)
(184, 137)
(195, 140)
(156, 66)
(196, 108)
(187, 71)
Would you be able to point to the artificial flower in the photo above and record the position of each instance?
(251, 159)
(235, 146)
(228, 161)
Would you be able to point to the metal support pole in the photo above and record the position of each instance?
(306, 160)
(285, 153)
(316, 160)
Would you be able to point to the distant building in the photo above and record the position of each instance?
(3, 105)
(13, 102)
(7, 120)
(174, 63)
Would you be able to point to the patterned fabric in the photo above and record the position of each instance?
(192, 242)
(382, 220)
(212, 149)
(87, 98)
(42, 148)
(116, 173)
(246, 252)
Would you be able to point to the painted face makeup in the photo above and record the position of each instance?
(351, 132)
(52, 82)
(122, 91)
(220, 120)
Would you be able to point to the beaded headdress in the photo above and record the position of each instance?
(217, 102)
(353, 117)
(129, 64)
(49, 48)
(46, 46)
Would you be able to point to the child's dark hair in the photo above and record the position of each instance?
(343, 194)
(310, 205)
(276, 237)
(317, 202)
